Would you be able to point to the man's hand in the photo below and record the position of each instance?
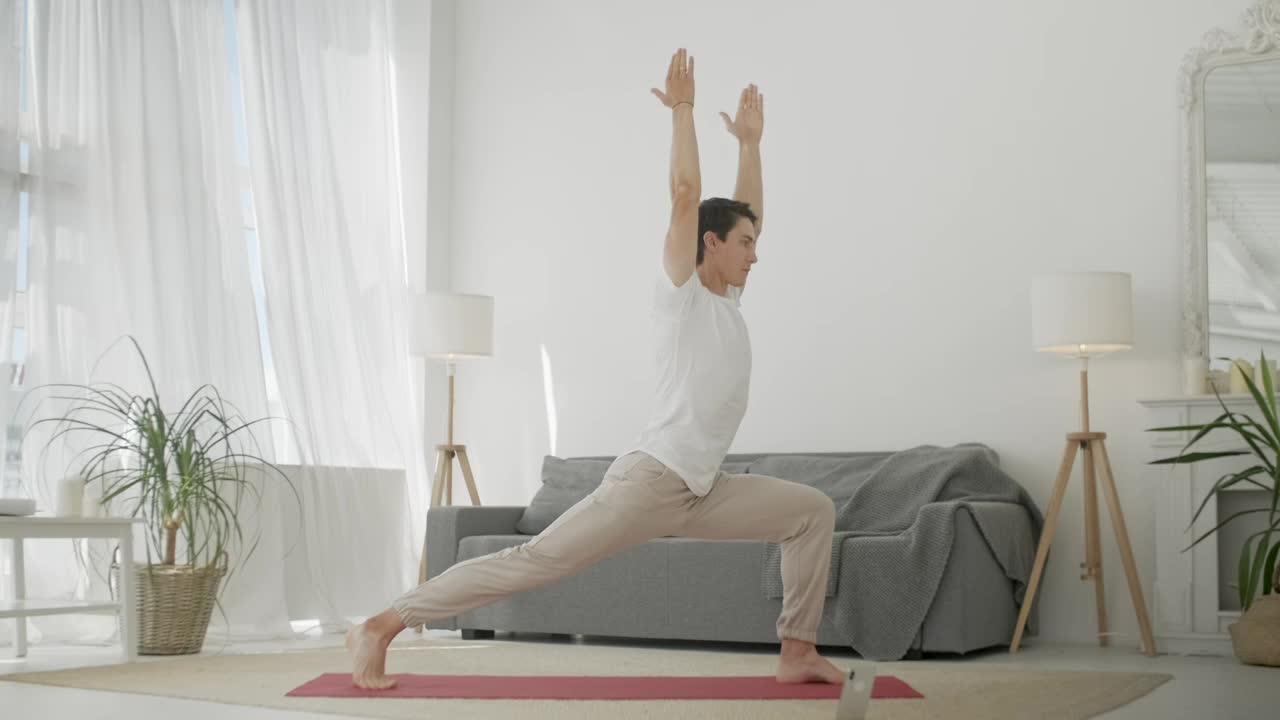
(748, 125)
(680, 250)
(679, 81)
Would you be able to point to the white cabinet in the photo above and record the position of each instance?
(1191, 604)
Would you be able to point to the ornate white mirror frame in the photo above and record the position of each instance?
(1258, 39)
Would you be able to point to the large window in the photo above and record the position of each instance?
(18, 352)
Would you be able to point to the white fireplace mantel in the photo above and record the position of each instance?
(1187, 615)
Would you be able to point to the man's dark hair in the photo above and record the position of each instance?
(720, 215)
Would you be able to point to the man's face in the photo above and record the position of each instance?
(734, 257)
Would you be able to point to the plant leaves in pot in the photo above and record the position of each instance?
(1256, 435)
(189, 471)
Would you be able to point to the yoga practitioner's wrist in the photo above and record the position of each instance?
(682, 102)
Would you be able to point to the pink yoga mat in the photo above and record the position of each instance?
(590, 687)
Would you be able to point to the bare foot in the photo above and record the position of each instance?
(809, 667)
(369, 658)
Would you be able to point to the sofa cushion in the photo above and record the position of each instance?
(564, 483)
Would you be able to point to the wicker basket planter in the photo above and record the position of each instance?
(1256, 637)
(174, 605)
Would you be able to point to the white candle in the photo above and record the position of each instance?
(69, 497)
(1240, 369)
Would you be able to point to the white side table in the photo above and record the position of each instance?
(18, 529)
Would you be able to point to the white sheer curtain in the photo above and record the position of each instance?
(135, 228)
(319, 84)
(11, 17)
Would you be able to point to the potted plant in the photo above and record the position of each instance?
(1256, 637)
(186, 471)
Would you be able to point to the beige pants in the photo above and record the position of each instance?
(641, 499)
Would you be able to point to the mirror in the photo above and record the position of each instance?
(1242, 210)
(1230, 96)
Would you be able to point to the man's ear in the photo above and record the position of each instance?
(709, 239)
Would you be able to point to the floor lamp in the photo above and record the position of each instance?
(451, 327)
(1086, 315)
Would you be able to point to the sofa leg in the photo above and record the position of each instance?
(470, 634)
(561, 636)
(914, 653)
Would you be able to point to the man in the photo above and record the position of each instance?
(670, 483)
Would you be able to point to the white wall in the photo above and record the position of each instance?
(424, 55)
(922, 161)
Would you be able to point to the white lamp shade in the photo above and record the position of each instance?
(452, 326)
(1082, 314)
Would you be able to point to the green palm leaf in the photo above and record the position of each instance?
(188, 464)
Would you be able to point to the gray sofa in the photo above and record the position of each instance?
(680, 588)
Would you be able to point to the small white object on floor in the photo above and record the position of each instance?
(17, 506)
(856, 695)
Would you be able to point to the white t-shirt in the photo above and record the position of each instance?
(702, 355)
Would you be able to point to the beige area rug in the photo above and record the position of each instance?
(952, 690)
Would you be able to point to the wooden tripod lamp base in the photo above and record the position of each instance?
(442, 489)
(1093, 449)
(442, 480)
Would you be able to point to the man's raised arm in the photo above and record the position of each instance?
(747, 127)
(680, 254)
